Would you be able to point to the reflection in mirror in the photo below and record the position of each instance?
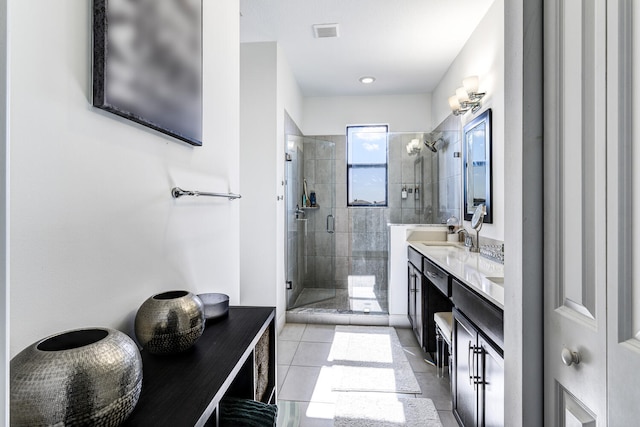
(418, 184)
(425, 175)
(477, 166)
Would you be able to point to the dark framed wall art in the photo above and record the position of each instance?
(147, 63)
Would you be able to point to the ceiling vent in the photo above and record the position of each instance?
(323, 31)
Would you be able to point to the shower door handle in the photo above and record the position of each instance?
(331, 224)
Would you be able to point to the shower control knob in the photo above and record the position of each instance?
(570, 357)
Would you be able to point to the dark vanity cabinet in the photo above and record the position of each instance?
(416, 303)
(437, 289)
(478, 374)
(429, 289)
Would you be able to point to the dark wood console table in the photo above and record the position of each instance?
(185, 389)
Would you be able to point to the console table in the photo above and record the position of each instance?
(235, 357)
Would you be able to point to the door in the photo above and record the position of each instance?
(623, 195)
(465, 394)
(575, 213)
(310, 240)
(491, 399)
(419, 302)
(592, 263)
(412, 299)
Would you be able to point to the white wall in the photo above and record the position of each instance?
(267, 90)
(289, 98)
(4, 287)
(258, 174)
(523, 271)
(94, 231)
(482, 55)
(331, 115)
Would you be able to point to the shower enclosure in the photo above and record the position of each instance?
(310, 265)
(337, 256)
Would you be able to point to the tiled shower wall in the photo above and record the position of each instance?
(359, 246)
(361, 235)
(319, 171)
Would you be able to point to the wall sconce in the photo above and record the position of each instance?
(414, 147)
(467, 97)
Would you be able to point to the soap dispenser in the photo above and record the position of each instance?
(452, 223)
(404, 193)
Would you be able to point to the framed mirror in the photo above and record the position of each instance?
(477, 166)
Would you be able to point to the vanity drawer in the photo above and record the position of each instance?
(415, 258)
(437, 276)
(485, 315)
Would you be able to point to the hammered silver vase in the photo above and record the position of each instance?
(170, 322)
(76, 378)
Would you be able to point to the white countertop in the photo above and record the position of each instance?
(468, 267)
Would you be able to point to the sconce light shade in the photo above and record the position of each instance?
(414, 147)
(467, 98)
(462, 95)
(454, 104)
(471, 84)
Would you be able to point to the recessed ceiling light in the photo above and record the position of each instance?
(367, 79)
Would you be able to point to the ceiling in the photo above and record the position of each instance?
(407, 45)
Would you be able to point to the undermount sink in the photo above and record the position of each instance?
(442, 243)
(498, 280)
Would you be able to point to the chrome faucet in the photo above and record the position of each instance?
(299, 213)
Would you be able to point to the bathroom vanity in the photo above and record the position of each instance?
(472, 287)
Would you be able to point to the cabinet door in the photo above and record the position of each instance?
(419, 326)
(491, 399)
(412, 290)
(465, 401)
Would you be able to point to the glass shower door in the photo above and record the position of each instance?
(310, 223)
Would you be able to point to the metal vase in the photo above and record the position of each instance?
(76, 378)
(170, 322)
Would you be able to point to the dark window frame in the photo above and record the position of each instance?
(385, 166)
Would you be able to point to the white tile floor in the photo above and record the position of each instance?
(305, 398)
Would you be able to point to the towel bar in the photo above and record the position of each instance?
(179, 192)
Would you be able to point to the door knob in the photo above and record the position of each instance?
(570, 357)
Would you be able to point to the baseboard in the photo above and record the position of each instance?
(399, 321)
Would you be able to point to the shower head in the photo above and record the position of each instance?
(435, 137)
(431, 145)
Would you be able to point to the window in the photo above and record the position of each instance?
(367, 165)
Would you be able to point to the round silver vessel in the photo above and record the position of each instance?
(169, 322)
(215, 305)
(76, 378)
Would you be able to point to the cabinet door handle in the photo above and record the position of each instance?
(476, 370)
(478, 352)
(472, 364)
(469, 350)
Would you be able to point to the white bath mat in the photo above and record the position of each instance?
(370, 358)
(371, 410)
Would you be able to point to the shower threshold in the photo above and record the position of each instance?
(340, 306)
